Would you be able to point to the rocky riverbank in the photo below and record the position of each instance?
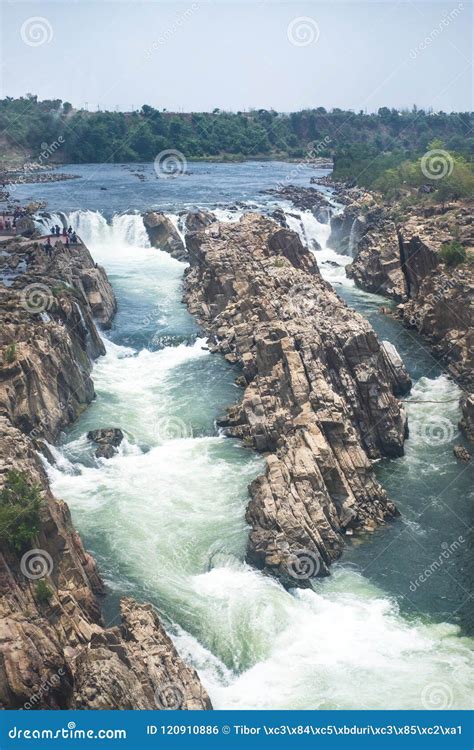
(55, 650)
(396, 251)
(320, 392)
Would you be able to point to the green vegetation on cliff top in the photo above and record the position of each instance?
(380, 150)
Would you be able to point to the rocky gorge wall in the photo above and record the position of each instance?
(320, 392)
(398, 256)
(55, 650)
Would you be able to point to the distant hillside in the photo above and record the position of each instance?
(77, 136)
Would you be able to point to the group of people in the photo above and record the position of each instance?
(8, 219)
(68, 236)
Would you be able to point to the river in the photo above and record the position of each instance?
(390, 628)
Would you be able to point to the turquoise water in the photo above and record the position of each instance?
(165, 517)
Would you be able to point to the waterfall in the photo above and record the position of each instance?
(157, 514)
(122, 230)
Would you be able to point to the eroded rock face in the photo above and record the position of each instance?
(55, 651)
(400, 259)
(135, 666)
(376, 267)
(467, 421)
(48, 338)
(443, 313)
(197, 220)
(319, 396)
(163, 235)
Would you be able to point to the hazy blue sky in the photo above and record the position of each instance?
(237, 55)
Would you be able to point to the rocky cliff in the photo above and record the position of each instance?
(319, 399)
(397, 255)
(55, 651)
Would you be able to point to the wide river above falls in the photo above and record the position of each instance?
(390, 628)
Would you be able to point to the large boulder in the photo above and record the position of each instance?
(107, 441)
(197, 220)
(163, 235)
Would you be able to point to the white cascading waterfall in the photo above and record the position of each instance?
(166, 519)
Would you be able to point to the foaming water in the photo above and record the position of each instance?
(315, 235)
(165, 519)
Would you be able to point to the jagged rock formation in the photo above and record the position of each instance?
(443, 312)
(48, 337)
(163, 235)
(196, 220)
(319, 396)
(55, 651)
(107, 441)
(467, 420)
(376, 266)
(461, 453)
(399, 257)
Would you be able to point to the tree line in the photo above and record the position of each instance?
(363, 146)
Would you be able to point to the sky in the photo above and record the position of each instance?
(197, 56)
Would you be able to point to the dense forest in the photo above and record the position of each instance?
(364, 146)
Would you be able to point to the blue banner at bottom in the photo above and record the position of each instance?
(232, 729)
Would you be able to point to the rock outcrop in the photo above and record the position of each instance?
(443, 313)
(467, 420)
(197, 220)
(107, 441)
(48, 338)
(55, 651)
(376, 266)
(319, 396)
(163, 235)
(307, 199)
(398, 256)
